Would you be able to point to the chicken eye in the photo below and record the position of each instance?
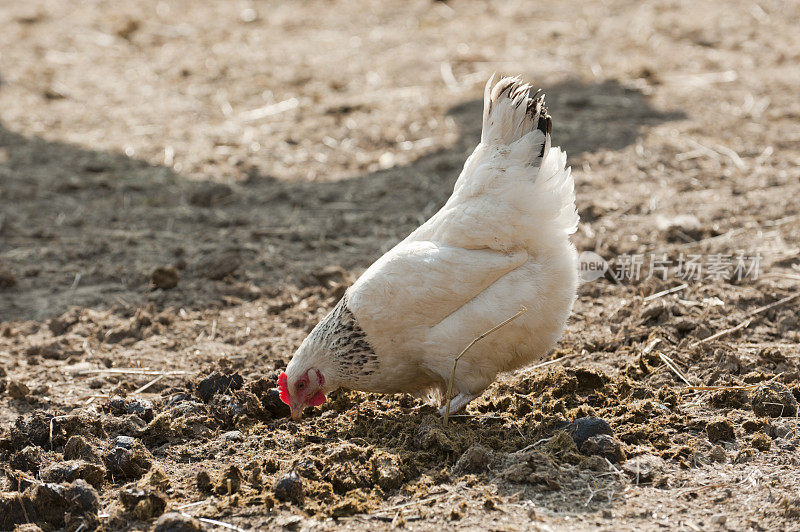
(300, 385)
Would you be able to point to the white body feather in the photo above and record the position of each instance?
(500, 242)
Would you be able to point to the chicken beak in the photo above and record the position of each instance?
(297, 411)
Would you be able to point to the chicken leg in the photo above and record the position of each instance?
(457, 403)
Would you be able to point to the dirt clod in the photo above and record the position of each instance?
(30, 458)
(271, 401)
(27, 527)
(61, 324)
(644, 468)
(760, 441)
(7, 277)
(158, 479)
(718, 454)
(82, 498)
(210, 194)
(220, 265)
(387, 471)
(653, 311)
(15, 509)
(72, 470)
(753, 425)
(56, 350)
(203, 481)
(36, 428)
(720, 429)
(144, 504)
(289, 488)
(254, 478)
(782, 428)
(128, 459)
(17, 389)
(431, 436)
(120, 406)
(218, 383)
(474, 460)
(177, 522)
(534, 468)
(605, 446)
(773, 399)
(230, 481)
(51, 501)
(165, 277)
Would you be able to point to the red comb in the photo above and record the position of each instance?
(283, 386)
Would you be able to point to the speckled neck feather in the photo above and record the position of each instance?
(347, 344)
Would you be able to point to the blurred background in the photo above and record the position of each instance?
(259, 141)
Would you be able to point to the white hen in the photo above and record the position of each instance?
(500, 242)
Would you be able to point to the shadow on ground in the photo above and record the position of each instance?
(87, 228)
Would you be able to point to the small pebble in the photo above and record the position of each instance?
(126, 442)
(718, 519)
(644, 468)
(233, 435)
(585, 427)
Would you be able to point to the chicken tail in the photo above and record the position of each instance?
(534, 189)
(515, 191)
(510, 112)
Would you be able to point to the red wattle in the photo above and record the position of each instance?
(317, 399)
(284, 387)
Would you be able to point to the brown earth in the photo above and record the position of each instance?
(186, 188)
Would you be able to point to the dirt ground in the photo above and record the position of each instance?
(186, 188)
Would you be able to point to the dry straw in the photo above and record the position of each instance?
(449, 395)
